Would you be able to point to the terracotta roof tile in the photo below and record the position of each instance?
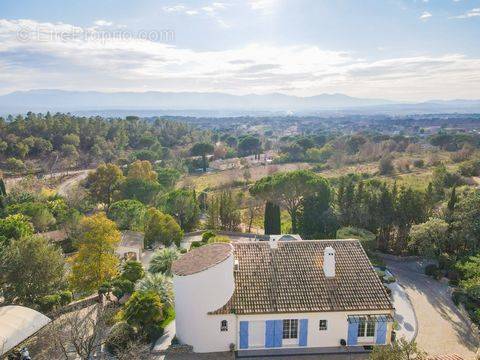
(201, 258)
(291, 279)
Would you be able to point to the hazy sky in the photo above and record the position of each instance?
(395, 49)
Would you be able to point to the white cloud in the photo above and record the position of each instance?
(263, 5)
(102, 22)
(175, 8)
(425, 15)
(133, 64)
(469, 14)
(212, 10)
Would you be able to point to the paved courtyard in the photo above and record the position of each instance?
(442, 329)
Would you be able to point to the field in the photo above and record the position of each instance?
(218, 179)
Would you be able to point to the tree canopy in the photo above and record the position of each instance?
(289, 189)
(95, 261)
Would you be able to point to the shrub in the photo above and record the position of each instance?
(453, 276)
(196, 244)
(458, 297)
(132, 270)
(445, 261)
(143, 309)
(153, 332)
(207, 235)
(122, 287)
(159, 284)
(431, 270)
(66, 297)
(162, 261)
(219, 239)
(15, 164)
(120, 336)
(49, 302)
(419, 163)
(385, 166)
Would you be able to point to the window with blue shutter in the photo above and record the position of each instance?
(278, 333)
(381, 337)
(269, 333)
(243, 334)
(302, 341)
(352, 333)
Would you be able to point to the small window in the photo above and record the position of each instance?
(224, 325)
(290, 329)
(322, 325)
(366, 328)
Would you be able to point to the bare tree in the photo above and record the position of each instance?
(254, 209)
(79, 334)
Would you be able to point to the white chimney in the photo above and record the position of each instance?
(329, 261)
(273, 242)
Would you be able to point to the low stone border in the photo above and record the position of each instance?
(178, 349)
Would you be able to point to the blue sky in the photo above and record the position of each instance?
(409, 50)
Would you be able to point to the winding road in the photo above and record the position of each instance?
(442, 328)
(64, 186)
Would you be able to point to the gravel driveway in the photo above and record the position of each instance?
(441, 327)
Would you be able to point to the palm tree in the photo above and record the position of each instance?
(162, 261)
(159, 284)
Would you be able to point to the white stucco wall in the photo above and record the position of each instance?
(337, 325)
(195, 296)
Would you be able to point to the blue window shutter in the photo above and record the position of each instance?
(381, 332)
(278, 333)
(352, 333)
(269, 333)
(243, 334)
(302, 341)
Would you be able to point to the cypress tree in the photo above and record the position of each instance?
(272, 222)
(3, 193)
(453, 200)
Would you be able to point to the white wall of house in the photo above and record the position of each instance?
(337, 327)
(198, 294)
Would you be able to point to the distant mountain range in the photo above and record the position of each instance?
(213, 104)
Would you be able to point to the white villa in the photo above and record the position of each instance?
(280, 297)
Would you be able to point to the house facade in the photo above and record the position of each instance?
(280, 297)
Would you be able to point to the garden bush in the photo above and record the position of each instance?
(459, 297)
(132, 270)
(49, 302)
(120, 336)
(196, 244)
(207, 235)
(65, 297)
(122, 287)
(431, 270)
